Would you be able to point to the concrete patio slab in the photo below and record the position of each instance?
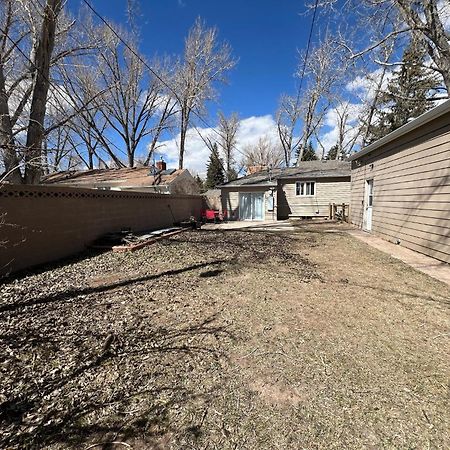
(430, 266)
(268, 225)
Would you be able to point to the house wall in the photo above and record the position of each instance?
(230, 201)
(411, 189)
(45, 223)
(328, 190)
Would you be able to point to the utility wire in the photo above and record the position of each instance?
(308, 46)
(51, 83)
(153, 71)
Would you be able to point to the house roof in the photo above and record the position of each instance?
(430, 115)
(125, 177)
(306, 169)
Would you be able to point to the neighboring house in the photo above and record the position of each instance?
(143, 179)
(303, 191)
(401, 185)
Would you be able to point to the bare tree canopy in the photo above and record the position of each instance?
(205, 63)
(377, 23)
(287, 117)
(133, 104)
(267, 152)
(34, 40)
(27, 42)
(324, 71)
(227, 131)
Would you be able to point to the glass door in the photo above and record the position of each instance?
(258, 206)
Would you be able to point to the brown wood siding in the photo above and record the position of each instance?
(330, 190)
(411, 189)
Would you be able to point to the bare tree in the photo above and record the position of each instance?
(135, 98)
(33, 40)
(121, 98)
(228, 129)
(266, 152)
(345, 117)
(59, 151)
(323, 71)
(287, 118)
(205, 63)
(382, 21)
(375, 82)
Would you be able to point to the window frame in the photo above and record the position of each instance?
(305, 182)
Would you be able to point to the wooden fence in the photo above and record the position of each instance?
(339, 211)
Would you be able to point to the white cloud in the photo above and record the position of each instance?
(365, 87)
(332, 121)
(197, 154)
(362, 89)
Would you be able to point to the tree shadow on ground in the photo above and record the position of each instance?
(72, 409)
(441, 300)
(53, 265)
(73, 293)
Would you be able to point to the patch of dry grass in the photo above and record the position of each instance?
(227, 340)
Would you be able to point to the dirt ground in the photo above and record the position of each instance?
(227, 340)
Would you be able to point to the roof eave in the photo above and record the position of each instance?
(247, 185)
(410, 126)
(305, 176)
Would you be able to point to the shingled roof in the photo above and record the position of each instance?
(126, 177)
(306, 169)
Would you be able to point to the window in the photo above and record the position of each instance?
(369, 192)
(305, 188)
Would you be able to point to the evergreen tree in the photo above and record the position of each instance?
(215, 174)
(200, 183)
(332, 153)
(407, 93)
(309, 154)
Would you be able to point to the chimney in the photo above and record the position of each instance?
(161, 165)
(255, 169)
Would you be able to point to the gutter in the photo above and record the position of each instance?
(430, 115)
(305, 176)
(224, 186)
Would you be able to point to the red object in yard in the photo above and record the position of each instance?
(212, 214)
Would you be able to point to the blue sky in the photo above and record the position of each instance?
(265, 36)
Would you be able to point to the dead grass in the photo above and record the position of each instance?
(227, 340)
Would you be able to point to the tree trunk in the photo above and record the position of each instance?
(7, 149)
(130, 159)
(33, 163)
(183, 130)
(90, 159)
(301, 151)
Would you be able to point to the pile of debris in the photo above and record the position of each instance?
(127, 241)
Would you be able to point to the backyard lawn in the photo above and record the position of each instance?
(227, 340)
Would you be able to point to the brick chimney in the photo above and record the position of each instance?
(255, 169)
(161, 165)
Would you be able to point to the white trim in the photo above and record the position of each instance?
(305, 181)
(410, 126)
(368, 195)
